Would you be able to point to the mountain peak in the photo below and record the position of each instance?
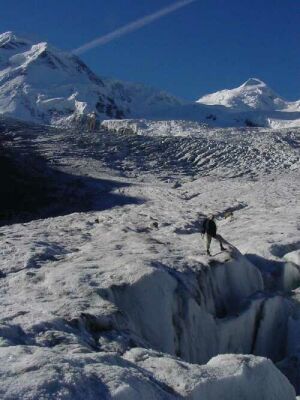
(9, 40)
(254, 82)
(43, 84)
(6, 36)
(253, 94)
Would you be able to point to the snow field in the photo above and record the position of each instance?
(112, 298)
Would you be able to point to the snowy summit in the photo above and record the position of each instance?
(253, 94)
(40, 83)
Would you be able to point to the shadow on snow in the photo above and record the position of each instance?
(31, 189)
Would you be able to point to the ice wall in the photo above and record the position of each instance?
(219, 308)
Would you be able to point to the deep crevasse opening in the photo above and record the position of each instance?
(219, 308)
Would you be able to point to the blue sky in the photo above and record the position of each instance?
(207, 46)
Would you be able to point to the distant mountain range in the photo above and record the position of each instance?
(42, 84)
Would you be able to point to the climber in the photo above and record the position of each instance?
(92, 121)
(209, 229)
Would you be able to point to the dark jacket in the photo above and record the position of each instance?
(209, 227)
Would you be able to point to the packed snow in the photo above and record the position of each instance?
(110, 294)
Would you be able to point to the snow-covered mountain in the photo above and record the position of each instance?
(251, 104)
(42, 84)
(39, 83)
(140, 100)
(253, 95)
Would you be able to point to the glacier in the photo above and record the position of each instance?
(116, 299)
